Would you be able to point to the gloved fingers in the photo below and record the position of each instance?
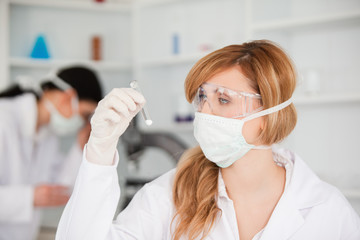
(119, 97)
(125, 98)
(135, 95)
(110, 120)
(138, 108)
(119, 105)
(112, 116)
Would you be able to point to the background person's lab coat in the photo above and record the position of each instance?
(27, 159)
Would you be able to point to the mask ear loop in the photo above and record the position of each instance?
(266, 112)
(269, 110)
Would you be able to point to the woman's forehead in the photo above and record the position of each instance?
(232, 78)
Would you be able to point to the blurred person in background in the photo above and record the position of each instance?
(34, 172)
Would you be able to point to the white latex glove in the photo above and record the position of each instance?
(111, 118)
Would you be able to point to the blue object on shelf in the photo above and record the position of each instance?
(175, 43)
(40, 49)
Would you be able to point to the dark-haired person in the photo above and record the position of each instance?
(234, 185)
(34, 173)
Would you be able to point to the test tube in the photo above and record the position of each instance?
(135, 85)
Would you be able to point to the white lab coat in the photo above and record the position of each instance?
(308, 209)
(27, 159)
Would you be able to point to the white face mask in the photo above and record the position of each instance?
(61, 125)
(221, 139)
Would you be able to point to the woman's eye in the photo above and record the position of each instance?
(202, 96)
(223, 101)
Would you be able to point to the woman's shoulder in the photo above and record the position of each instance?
(310, 192)
(339, 204)
(336, 214)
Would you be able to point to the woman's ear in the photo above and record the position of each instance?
(262, 123)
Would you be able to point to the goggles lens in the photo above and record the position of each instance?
(225, 102)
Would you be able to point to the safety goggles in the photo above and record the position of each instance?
(226, 102)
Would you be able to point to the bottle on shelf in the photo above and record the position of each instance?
(96, 47)
(176, 32)
(40, 49)
(175, 44)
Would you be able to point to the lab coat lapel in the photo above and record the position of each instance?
(305, 190)
(285, 220)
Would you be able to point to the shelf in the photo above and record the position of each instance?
(326, 98)
(53, 63)
(337, 18)
(75, 4)
(173, 60)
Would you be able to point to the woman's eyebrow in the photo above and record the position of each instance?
(224, 93)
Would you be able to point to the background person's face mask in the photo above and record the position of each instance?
(61, 125)
(221, 139)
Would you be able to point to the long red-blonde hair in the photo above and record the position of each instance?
(271, 73)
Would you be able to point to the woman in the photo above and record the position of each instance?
(33, 171)
(234, 185)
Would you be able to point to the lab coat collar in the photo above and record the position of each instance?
(304, 190)
(285, 220)
(221, 187)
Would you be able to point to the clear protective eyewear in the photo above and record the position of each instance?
(226, 102)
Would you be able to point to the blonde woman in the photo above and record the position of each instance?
(234, 185)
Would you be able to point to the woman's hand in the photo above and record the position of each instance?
(111, 118)
(50, 195)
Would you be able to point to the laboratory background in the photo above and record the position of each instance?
(156, 42)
